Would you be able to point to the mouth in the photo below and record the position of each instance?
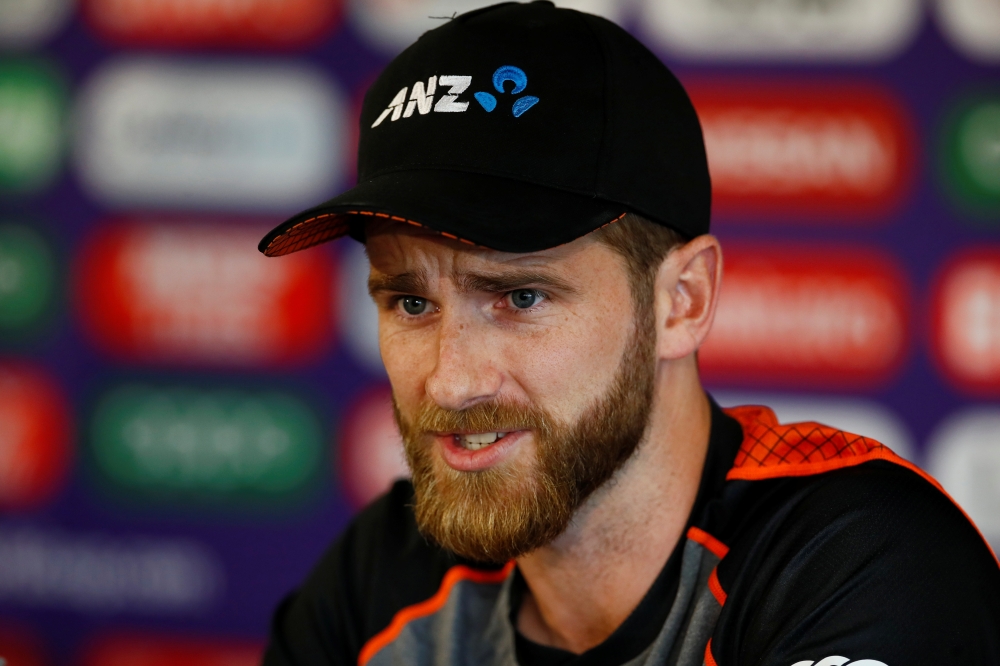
(476, 451)
(478, 440)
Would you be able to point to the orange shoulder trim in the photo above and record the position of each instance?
(714, 546)
(771, 450)
(709, 659)
(454, 575)
(715, 587)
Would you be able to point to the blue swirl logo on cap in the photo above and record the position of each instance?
(504, 75)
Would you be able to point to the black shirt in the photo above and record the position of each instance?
(805, 544)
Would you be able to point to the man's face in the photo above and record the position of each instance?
(521, 382)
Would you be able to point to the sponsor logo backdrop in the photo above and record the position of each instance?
(185, 425)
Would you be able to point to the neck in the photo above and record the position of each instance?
(621, 538)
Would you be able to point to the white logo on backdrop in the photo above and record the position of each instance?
(964, 456)
(973, 26)
(28, 22)
(203, 292)
(777, 29)
(823, 321)
(96, 573)
(210, 135)
(395, 24)
(970, 327)
(779, 151)
(860, 417)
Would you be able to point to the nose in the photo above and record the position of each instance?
(466, 372)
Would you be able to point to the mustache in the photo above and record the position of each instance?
(500, 415)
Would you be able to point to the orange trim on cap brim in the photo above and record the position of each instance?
(394, 218)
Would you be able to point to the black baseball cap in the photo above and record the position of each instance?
(519, 127)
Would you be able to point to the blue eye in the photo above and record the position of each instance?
(413, 305)
(523, 298)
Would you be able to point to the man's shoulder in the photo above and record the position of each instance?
(834, 540)
(879, 504)
(793, 484)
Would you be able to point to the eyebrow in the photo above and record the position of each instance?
(412, 283)
(510, 280)
(416, 283)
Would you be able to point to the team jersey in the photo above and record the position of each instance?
(806, 546)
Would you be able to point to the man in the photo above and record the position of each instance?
(534, 200)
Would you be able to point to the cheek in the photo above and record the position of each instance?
(408, 356)
(565, 369)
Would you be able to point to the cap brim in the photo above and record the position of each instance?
(490, 211)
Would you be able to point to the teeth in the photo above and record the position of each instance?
(479, 440)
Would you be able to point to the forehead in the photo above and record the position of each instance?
(394, 248)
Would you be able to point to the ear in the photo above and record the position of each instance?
(687, 293)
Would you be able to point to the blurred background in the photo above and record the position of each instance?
(186, 425)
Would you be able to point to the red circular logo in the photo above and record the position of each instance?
(34, 437)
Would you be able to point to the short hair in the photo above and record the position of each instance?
(643, 245)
